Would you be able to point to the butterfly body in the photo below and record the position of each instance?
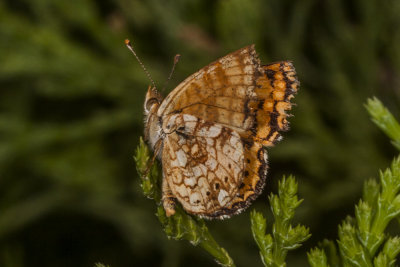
(212, 130)
(153, 127)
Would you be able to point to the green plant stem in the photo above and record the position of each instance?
(209, 244)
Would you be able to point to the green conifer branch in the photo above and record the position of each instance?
(382, 117)
(330, 250)
(317, 258)
(360, 240)
(274, 247)
(389, 252)
(180, 225)
(351, 250)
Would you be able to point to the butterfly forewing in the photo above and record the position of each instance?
(218, 92)
(239, 93)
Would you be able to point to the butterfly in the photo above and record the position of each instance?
(211, 132)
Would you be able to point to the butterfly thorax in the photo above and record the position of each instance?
(153, 127)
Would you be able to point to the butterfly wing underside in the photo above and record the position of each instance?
(203, 164)
(235, 92)
(238, 92)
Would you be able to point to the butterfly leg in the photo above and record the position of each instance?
(168, 199)
(157, 149)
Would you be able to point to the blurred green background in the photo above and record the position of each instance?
(71, 98)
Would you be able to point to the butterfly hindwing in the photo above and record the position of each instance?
(203, 164)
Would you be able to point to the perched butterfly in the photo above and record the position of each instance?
(211, 131)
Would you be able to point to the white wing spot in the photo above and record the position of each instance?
(190, 181)
(248, 69)
(211, 163)
(187, 117)
(195, 198)
(222, 197)
(211, 151)
(237, 155)
(214, 131)
(181, 155)
(233, 140)
(204, 169)
(197, 171)
(182, 190)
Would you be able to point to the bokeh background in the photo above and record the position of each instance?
(71, 99)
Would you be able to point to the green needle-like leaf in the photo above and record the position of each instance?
(382, 260)
(264, 241)
(149, 177)
(317, 258)
(353, 253)
(392, 247)
(330, 250)
(360, 240)
(370, 193)
(382, 117)
(387, 205)
(274, 247)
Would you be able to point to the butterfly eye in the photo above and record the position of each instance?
(150, 103)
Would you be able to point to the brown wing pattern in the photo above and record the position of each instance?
(276, 85)
(239, 93)
(203, 164)
(218, 92)
(241, 97)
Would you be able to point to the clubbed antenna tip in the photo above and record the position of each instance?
(176, 60)
(130, 47)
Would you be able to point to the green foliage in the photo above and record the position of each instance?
(180, 225)
(285, 237)
(360, 240)
(329, 250)
(382, 117)
(317, 258)
(149, 175)
(71, 105)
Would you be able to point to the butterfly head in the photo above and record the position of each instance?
(152, 101)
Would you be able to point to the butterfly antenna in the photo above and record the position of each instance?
(176, 59)
(130, 47)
